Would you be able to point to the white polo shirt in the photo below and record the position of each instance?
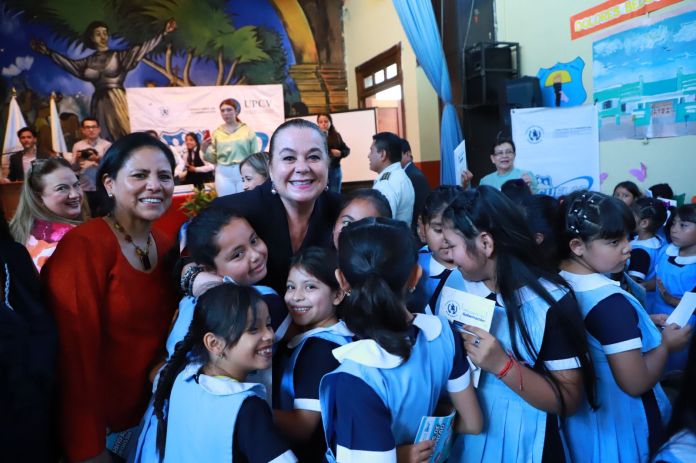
(395, 185)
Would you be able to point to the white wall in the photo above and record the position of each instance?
(371, 27)
(542, 27)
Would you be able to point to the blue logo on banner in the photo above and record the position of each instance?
(534, 134)
(561, 85)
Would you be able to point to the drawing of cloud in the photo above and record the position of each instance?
(22, 63)
(654, 37)
(598, 68)
(607, 47)
(686, 33)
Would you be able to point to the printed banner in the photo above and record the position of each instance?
(610, 13)
(173, 111)
(644, 80)
(559, 145)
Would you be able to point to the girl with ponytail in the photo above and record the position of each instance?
(206, 410)
(400, 364)
(534, 359)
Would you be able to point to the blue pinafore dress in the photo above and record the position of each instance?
(618, 430)
(410, 390)
(513, 430)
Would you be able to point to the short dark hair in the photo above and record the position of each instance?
(500, 140)
(405, 146)
(26, 129)
(389, 142)
(87, 36)
(662, 190)
(90, 118)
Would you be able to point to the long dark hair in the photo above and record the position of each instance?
(319, 262)
(542, 213)
(376, 256)
(203, 231)
(224, 311)
(630, 187)
(333, 138)
(518, 265)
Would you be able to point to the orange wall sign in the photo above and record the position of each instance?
(610, 13)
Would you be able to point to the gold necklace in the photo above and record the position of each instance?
(143, 255)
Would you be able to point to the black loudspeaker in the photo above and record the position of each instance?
(524, 92)
(487, 66)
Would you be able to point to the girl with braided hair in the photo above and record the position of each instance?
(628, 350)
(206, 410)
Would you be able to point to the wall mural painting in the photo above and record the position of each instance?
(89, 53)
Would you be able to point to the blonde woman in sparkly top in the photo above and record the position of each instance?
(229, 145)
(109, 289)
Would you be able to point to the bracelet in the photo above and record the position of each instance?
(187, 278)
(512, 361)
(501, 374)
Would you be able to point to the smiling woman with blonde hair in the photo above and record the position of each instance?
(51, 204)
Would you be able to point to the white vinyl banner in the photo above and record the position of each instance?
(173, 111)
(559, 145)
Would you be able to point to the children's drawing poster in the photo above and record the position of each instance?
(645, 80)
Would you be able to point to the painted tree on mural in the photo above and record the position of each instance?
(205, 32)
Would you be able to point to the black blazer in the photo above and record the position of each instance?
(266, 213)
(16, 173)
(420, 187)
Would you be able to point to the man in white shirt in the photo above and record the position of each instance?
(392, 181)
(90, 131)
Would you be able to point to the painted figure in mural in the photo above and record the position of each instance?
(107, 70)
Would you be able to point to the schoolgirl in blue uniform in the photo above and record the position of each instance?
(627, 348)
(228, 247)
(311, 297)
(362, 203)
(676, 271)
(650, 214)
(533, 360)
(681, 445)
(206, 410)
(434, 258)
(401, 364)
